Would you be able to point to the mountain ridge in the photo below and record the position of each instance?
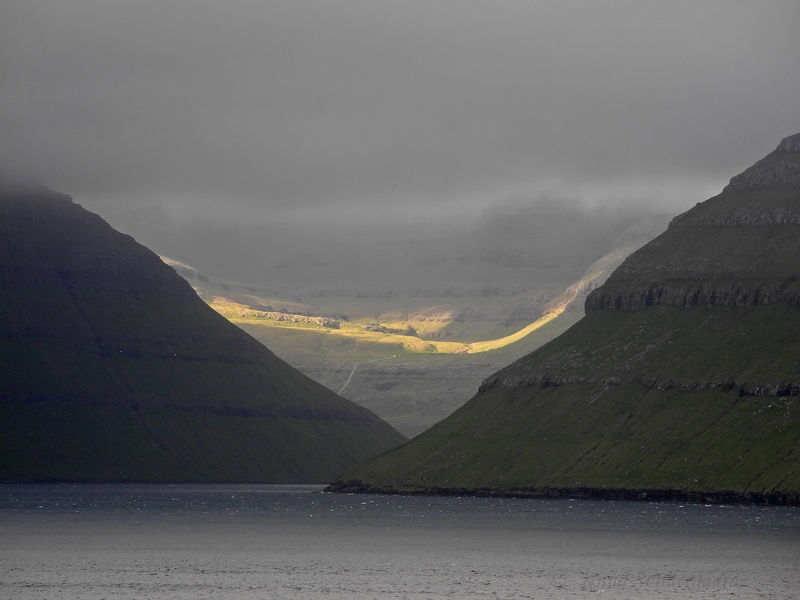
(729, 250)
(681, 381)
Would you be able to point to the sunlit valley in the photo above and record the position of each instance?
(473, 296)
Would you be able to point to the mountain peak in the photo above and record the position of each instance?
(779, 169)
(790, 144)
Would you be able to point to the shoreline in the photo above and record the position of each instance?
(788, 498)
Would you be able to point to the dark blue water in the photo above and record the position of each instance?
(253, 541)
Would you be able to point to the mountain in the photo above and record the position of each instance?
(111, 368)
(681, 381)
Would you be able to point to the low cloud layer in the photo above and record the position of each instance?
(247, 110)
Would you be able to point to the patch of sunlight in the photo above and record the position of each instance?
(498, 343)
(239, 313)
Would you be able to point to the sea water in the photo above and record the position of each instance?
(121, 541)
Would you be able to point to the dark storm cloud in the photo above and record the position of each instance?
(245, 107)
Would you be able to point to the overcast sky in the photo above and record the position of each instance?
(246, 110)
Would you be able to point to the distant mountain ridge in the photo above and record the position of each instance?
(681, 382)
(111, 368)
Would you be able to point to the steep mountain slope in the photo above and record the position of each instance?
(111, 368)
(682, 381)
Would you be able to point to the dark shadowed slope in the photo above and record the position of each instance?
(111, 368)
(683, 379)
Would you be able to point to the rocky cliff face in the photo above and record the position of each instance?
(740, 248)
(779, 169)
(113, 368)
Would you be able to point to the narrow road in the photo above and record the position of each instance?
(346, 383)
(355, 366)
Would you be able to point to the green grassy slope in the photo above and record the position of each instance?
(111, 368)
(683, 380)
(627, 400)
(412, 391)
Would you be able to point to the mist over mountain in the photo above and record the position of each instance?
(248, 112)
(545, 242)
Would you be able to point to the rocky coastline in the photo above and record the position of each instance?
(579, 493)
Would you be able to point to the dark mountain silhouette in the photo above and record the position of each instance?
(111, 368)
